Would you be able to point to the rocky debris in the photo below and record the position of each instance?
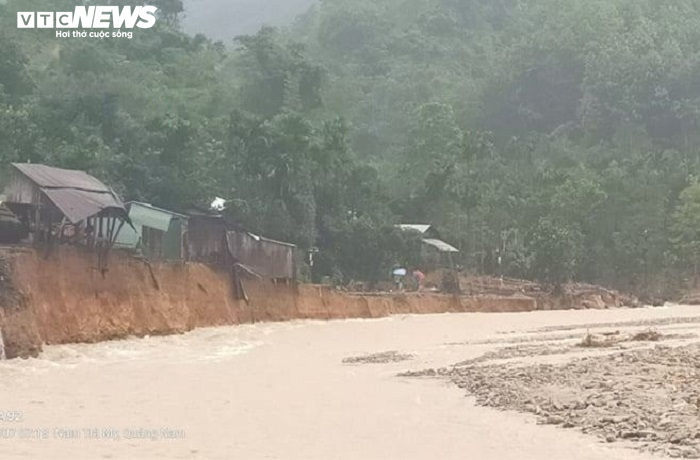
(621, 324)
(442, 372)
(521, 351)
(692, 298)
(528, 339)
(379, 358)
(648, 397)
(611, 339)
(600, 340)
(647, 336)
(526, 348)
(570, 296)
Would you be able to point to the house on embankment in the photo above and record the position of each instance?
(212, 239)
(435, 253)
(61, 206)
(264, 257)
(64, 206)
(51, 294)
(159, 234)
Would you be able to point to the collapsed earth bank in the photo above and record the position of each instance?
(62, 297)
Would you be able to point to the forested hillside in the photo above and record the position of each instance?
(560, 137)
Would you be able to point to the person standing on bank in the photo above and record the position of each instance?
(419, 277)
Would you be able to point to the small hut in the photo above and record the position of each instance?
(158, 233)
(64, 205)
(435, 253)
(267, 258)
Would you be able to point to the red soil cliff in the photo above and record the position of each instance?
(62, 298)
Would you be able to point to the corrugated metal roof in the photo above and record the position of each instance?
(150, 216)
(150, 206)
(78, 205)
(50, 177)
(76, 194)
(415, 227)
(440, 245)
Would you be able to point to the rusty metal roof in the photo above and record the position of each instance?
(50, 177)
(76, 194)
(78, 205)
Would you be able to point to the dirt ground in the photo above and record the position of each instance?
(316, 390)
(569, 296)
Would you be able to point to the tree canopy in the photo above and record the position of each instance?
(546, 139)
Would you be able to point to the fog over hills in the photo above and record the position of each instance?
(225, 19)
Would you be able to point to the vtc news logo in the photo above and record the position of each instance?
(93, 17)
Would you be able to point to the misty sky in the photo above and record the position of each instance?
(225, 19)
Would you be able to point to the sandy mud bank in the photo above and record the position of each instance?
(632, 385)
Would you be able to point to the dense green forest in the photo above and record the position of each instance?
(559, 137)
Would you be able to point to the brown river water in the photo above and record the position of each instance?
(282, 391)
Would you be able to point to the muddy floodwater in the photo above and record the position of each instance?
(332, 390)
